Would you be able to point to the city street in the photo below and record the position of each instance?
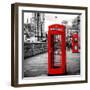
(38, 65)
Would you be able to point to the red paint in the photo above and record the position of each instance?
(56, 29)
(75, 45)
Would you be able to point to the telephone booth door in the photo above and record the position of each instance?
(75, 45)
(56, 50)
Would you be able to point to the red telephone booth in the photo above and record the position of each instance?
(56, 50)
(75, 45)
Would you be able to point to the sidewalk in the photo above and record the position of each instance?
(38, 65)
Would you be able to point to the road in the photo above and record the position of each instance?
(38, 65)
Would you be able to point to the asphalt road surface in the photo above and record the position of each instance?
(38, 65)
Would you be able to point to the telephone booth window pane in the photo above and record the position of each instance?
(75, 47)
(57, 51)
(75, 40)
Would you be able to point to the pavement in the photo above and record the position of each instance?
(38, 65)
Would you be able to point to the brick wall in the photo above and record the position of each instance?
(32, 49)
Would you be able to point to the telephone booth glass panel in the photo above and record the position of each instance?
(57, 51)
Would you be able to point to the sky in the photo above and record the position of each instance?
(52, 19)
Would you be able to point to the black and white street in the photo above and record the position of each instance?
(38, 65)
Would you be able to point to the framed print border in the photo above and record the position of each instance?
(15, 42)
